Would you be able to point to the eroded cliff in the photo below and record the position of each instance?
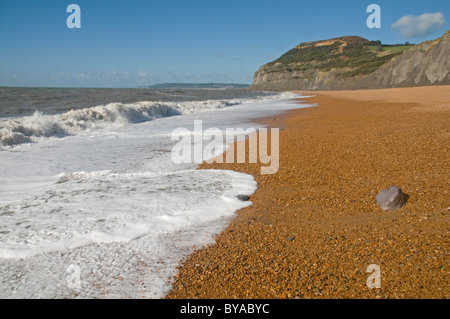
(353, 62)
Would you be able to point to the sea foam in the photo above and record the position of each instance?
(107, 199)
(33, 128)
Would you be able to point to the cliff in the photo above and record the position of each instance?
(353, 62)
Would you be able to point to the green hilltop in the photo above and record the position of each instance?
(352, 62)
(353, 55)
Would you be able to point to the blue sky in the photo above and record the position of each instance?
(143, 42)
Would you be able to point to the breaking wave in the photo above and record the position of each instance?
(29, 129)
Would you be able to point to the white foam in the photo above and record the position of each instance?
(113, 203)
(34, 128)
(103, 207)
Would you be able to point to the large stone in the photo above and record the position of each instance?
(391, 198)
(243, 198)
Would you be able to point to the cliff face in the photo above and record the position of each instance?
(356, 63)
(427, 63)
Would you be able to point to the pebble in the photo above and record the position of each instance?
(243, 198)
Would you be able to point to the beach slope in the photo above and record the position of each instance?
(315, 229)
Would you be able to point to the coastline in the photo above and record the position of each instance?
(314, 227)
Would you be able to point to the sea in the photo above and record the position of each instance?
(92, 204)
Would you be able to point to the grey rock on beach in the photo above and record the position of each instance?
(243, 198)
(391, 198)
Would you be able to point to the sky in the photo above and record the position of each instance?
(143, 42)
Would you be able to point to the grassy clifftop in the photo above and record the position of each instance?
(352, 56)
(353, 62)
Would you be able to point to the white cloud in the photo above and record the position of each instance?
(142, 74)
(112, 74)
(419, 26)
(82, 76)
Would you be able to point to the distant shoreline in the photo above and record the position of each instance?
(196, 86)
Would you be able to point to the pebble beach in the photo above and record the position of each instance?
(314, 228)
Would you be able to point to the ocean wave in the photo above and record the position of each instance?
(31, 129)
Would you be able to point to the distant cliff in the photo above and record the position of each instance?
(353, 62)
